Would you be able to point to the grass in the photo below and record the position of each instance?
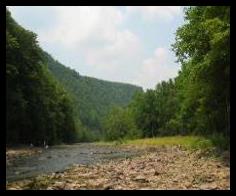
(190, 142)
(220, 141)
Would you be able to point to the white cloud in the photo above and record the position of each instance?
(116, 61)
(155, 69)
(126, 45)
(166, 13)
(98, 41)
(95, 34)
(82, 25)
(110, 51)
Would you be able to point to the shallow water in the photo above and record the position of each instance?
(59, 158)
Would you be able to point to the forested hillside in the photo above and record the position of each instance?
(38, 108)
(45, 99)
(51, 102)
(92, 97)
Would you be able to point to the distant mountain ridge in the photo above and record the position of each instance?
(92, 97)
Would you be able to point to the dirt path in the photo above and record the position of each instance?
(156, 168)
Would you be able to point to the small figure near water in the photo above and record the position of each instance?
(44, 144)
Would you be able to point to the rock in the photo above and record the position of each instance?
(145, 188)
(49, 188)
(140, 179)
(209, 179)
(13, 188)
(175, 180)
(107, 187)
(59, 183)
(204, 187)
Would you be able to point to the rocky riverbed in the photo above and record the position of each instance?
(90, 166)
(29, 162)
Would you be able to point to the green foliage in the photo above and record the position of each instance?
(41, 92)
(189, 142)
(153, 110)
(86, 135)
(119, 124)
(92, 98)
(202, 46)
(221, 141)
(197, 101)
(38, 108)
(145, 113)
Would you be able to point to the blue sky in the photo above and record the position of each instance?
(124, 44)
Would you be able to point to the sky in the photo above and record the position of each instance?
(129, 44)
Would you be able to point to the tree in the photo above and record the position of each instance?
(145, 112)
(38, 108)
(202, 47)
(91, 98)
(119, 124)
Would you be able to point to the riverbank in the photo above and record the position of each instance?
(14, 153)
(58, 158)
(160, 167)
